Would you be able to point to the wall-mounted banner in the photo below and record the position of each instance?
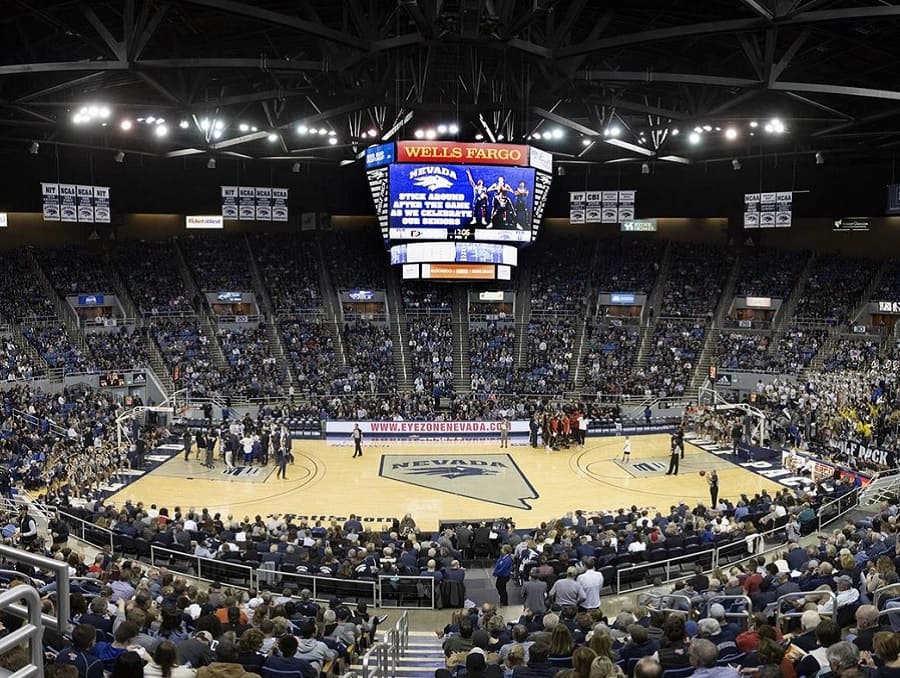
(254, 203)
(577, 207)
(75, 203)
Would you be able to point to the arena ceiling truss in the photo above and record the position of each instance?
(595, 82)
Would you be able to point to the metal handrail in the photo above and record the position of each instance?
(881, 592)
(667, 564)
(779, 614)
(851, 497)
(400, 579)
(378, 652)
(367, 588)
(60, 569)
(31, 631)
(84, 525)
(213, 563)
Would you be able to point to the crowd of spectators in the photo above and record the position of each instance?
(695, 280)
(674, 349)
(219, 264)
(354, 261)
(118, 349)
(888, 288)
(851, 353)
(609, 357)
(252, 369)
(796, 349)
(492, 356)
(16, 363)
(186, 351)
(419, 297)
(370, 360)
(74, 270)
(310, 350)
(627, 265)
(431, 354)
(560, 270)
(768, 272)
(550, 348)
(288, 267)
(59, 350)
(22, 297)
(149, 271)
(743, 351)
(834, 288)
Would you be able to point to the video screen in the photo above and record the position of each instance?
(457, 252)
(437, 201)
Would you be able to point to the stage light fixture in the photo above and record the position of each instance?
(418, 134)
(211, 163)
(645, 168)
(731, 133)
(332, 140)
(204, 124)
(272, 137)
(735, 164)
(430, 134)
(557, 133)
(161, 131)
(34, 148)
(754, 124)
(820, 158)
(119, 157)
(453, 128)
(614, 131)
(295, 168)
(694, 138)
(184, 124)
(675, 132)
(217, 134)
(585, 142)
(125, 125)
(479, 136)
(243, 127)
(442, 129)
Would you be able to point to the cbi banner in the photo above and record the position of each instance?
(75, 203)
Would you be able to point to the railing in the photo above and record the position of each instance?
(215, 569)
(832, 510)
(402, 588)
(60, 570)
(323, 588)
(87, 531)
(801, 595)
(376, 663)
(31, 631)
(634, 573)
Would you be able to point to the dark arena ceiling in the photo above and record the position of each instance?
(593, 81)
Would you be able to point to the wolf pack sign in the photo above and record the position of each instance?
(493, 478)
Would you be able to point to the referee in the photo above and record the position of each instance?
(674, 457)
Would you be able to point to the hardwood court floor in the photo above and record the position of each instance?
(476, 481)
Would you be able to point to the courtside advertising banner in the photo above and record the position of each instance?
(338, 432)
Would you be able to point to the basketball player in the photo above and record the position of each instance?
(521, 205)
(479, 201)
(504, 433)
(501, 211)
(626, 450)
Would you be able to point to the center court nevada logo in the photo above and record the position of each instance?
(493, 478)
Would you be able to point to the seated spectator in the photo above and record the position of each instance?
(287, 659)
(226, 664)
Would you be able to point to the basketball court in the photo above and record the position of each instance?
(434, 481)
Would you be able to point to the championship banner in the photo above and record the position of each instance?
(229, 202)
(577, 207)
(85, 203)
(101, 204)
(626, 205)
(279, 204)
(68, 202)
(594, 205)
(247, 195)
(263, 203)
(463, 153)
(50, 193)
(768, 210)
(338, 432)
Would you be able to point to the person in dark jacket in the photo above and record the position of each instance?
(640, 645)
(538, 666)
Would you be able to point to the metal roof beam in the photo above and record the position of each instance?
(652, 76)
(843, 90)
(759, 8)
(116, 47)
(313, 28)
(565, 122)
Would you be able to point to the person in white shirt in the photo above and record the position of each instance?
(626, 450)
(591, 581)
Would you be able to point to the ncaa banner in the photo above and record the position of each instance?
(68, 202)
(279, 204)
(338, 432)
(247, 209)
(101, 204)
(85, 204)
(229, 202)
(594, 205)
(50, 199)
(263, 203)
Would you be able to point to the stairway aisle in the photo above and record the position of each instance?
(422, 657)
